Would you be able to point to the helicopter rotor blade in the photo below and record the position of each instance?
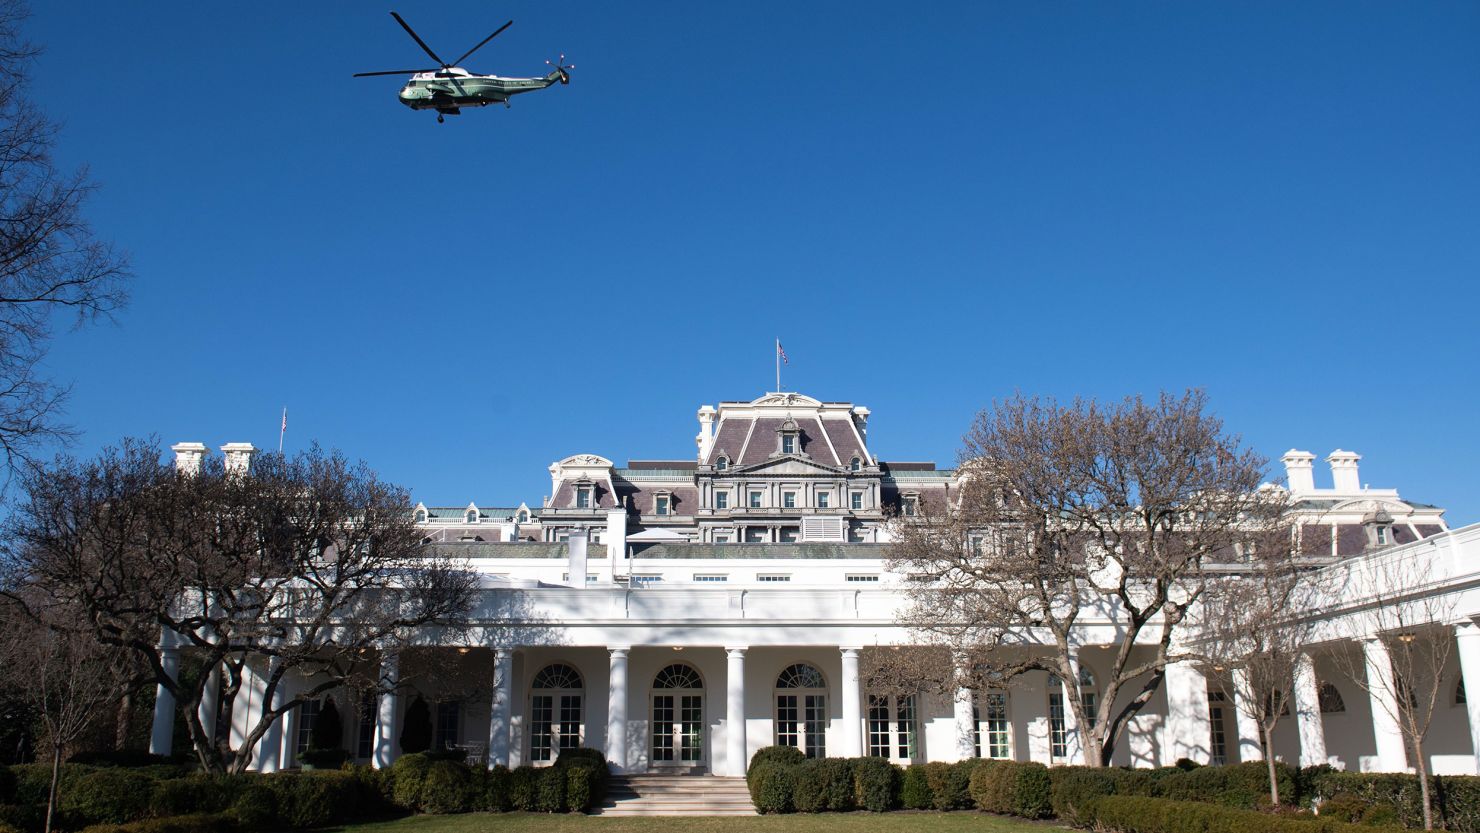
(394, 72)
(419, 41)
(496, 33)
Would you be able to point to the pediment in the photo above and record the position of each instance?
(1369, 505)
(787, 465)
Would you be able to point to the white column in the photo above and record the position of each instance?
(1189, 733)
(1249, 746)
(1382, 689)
(162, 739)
(387, 722)
(965, 723)
(270, 751)
(616, 711)
(1467, 635)
(500, 709)
(852, 709)
(735, 750)
(1307, 697)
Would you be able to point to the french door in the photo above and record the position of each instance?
(677, 729)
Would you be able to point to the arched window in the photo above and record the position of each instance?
(472, 516)
(855, 465)
(677, 734)
(421, 516)
(801, 709)
(556, 711)
(721, 463)
(1330, 699)
(523, 517)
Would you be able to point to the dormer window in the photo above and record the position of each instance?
(790, 434)
(472, 516)
(855, 465)
(421, 516)
(721, 463)
(523, 517)
(1382, 536)
(583, 497)
(660, 505)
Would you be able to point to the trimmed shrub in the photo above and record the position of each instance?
(837, 784)
(106, 796)
(192, 796)
(579, 780)
(447, 787)
(255, 806)
(914, 791)
(497, 784)
(524, 789)
(550, 790)
(32, 781)
(1456, 797)
(1032, 792)
(1139, 814)
(406, 778)
(876, 784)
(980, 784)
(1074, 787)
(195, 823)
(598, 773)
(950, 784)
(774, 787)
(807, 794)
(783, 755)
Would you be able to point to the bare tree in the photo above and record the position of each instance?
(65, 677)
(1107, 509)
(309, 566)
(51, 265)
(1252, 626)
(1411, 627)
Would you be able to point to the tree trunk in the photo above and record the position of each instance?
(125, 724)
(1274, 780)
(56, 777)
(1423, 786)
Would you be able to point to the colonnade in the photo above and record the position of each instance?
(1185, 734)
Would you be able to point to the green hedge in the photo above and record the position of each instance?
(783, 780)
(1372, 795)
(1141, 814)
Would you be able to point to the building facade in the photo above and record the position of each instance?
(682, 614)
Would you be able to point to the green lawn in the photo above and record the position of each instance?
(822, 823)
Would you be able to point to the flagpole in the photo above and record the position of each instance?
(778, 365)
(282, 431)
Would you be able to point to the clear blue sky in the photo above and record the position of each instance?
(931, 205)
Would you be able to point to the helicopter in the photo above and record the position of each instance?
(448, 88)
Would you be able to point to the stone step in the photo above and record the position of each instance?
(662, 794)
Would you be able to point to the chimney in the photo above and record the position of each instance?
(239, 457)
(576, 546)
(1344, 471)
(860, 419)
(706, 431)
(1300, 470)
(188, 457)
(616, 539)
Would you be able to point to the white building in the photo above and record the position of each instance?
(686, 613)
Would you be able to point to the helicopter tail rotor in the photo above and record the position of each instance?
(562, 67)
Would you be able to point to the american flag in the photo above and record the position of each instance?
(781, 353)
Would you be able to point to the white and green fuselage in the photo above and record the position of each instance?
(447, 90)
